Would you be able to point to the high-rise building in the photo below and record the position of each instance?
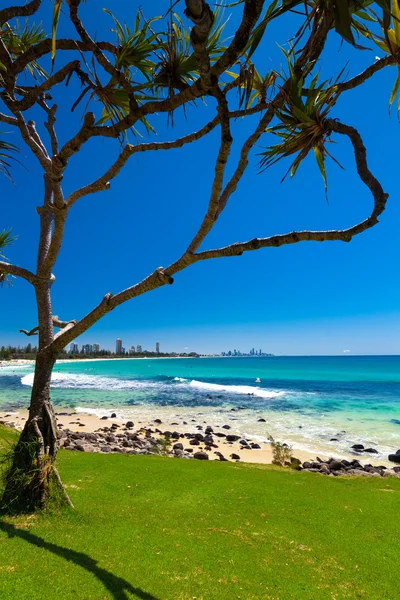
(158, 347)
(118, 346)
(132, 350)
(138, 348)
(74, 348)
(96, 347)
(87, 349)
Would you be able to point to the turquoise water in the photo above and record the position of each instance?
(306, 401)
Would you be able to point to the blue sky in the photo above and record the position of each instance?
(301, 299)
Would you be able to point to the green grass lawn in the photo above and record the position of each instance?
(166, 529)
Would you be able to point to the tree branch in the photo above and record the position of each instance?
(344, 235)
(18, 11)
(200, 13)
(369, 72)
(103, 182)
(7, 269)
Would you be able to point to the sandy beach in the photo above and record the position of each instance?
(89, 423)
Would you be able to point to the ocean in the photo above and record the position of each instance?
(318, 404)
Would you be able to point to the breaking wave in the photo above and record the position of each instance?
(236, 389)
(84, 381)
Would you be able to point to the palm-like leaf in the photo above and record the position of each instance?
(6, 150)
(19, 39)
(5, 240)
(136, 46)
(177, 66)
(303, 126)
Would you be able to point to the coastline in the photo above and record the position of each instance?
(84, 414)
(81, 422)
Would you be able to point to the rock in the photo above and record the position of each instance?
(306, 465)
(177, 446)
(358, 447)
(255, 446)
(208, 439)
(199, 436)
(334, 440)
(226, 426)
(200, 455)
(235, 456)
(232, 438)
(178, 453)
(243, 442)
(157, 421)
(104, 418)
(105, 449)
(129, 424)
(208, 430)
(194, 442)
(220, 434)
(223, 459)
(175, 435)
(335, 465)
(261, 421)
(113, 416)
(189, 449)
(110, 438)
(371, 450)
(79, 447)
(324, 469)
(168, 433)
(396, 469)
(394, 458)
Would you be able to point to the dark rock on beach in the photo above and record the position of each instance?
(200, 455)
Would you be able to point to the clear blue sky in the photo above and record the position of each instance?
(301, 299)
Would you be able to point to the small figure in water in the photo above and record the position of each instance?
(258, 380)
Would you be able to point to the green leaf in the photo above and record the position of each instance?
(321, 164)
(54, 25)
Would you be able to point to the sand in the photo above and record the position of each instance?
(82, 422)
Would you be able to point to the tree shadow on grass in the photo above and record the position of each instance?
(117, 586)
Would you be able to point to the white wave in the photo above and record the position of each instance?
(84, 381)
(98, 412)
(236, 389)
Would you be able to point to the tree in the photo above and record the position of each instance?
(157, 67)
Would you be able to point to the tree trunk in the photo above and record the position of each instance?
(32, 463)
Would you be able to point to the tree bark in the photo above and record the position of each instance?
(31, 470)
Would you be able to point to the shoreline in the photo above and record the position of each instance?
(82, 423)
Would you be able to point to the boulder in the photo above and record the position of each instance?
(394, 458)
(371, 450)
(232, 438)
(175, 435)
(226, 426)
(358, 447)
(157, 421)
(261, 421)
(200, 455)
(194, 442)
(129, 424)
(177, 446)
(105, 449)
(335, 465)
(113, 416)
(255, 446)
(209, 430)
(235, 456)
(243, 442)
